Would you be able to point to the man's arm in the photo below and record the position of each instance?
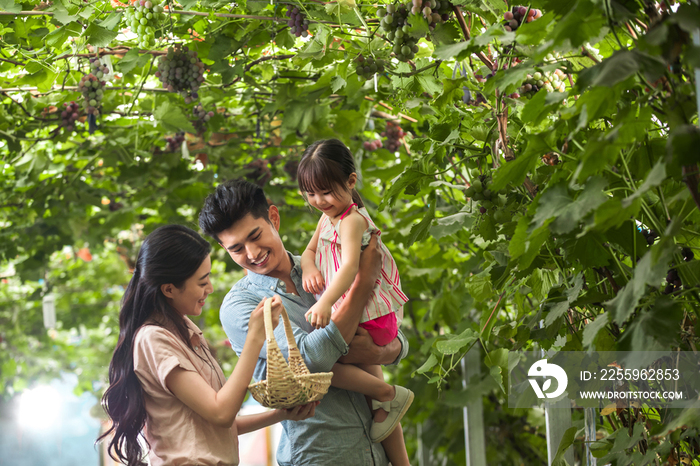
(364, 350)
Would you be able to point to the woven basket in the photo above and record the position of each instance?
(287, 385)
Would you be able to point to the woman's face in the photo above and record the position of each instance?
(189, 300)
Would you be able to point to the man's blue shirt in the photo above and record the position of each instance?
(339, 432)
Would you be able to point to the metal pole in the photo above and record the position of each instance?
(590, 435)
(423, 453)
(558, 419)
(474, 439)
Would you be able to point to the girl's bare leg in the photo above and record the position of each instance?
(369, 380)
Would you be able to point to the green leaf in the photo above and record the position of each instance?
(591, 330)
(172, 118)
(452, 90)
(132, 60)
(479, 286)
(566, 441)
(337, 83)
(620, 66)
(650, 270)
(456, 343)
(653, 179)
(683, 143)
(451, 224)
(398, 184)
(516, 170)
(58, 36)
(420, 231)
(112, 21)
(448, 51)
(11, 6)
(99, 36)
(418, 26)
(427, 365)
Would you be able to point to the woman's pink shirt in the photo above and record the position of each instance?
(177, 434)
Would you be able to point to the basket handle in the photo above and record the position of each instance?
(270, 331)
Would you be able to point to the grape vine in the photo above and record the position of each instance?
(144, 18)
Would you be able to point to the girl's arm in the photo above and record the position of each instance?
(312, 279)
(308, 257)
(220, 408)
(351, 229)
(245, 424)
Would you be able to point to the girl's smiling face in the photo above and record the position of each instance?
(333, 202)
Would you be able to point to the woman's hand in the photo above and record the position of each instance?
(312, 281)
(256, 324)
(299, 413)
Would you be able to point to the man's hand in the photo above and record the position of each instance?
(370, 261)
(362, 349)
(312, 281)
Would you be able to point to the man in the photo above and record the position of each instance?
(239, 218)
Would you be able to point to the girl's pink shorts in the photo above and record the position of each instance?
(382, 329)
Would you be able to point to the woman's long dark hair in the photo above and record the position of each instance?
(326, 166)
(170, 254)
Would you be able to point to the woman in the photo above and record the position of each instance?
(163, 378)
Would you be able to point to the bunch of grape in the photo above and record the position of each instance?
(687, 254)
(393, 134)
(394, 21)
(550, 81)
(290, 168)
(673, 281)
(434, 11)
(650, 236)
(515, 17)
(258, 172)
(174, 143)
(202, 117)
(297, 22)
(367, 67)
(144, 17)
(69, 116)
(371, 146)
(181, 71)
(98, 69)
(487, 200)
(92, 90)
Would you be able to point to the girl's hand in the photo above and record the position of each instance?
(319, 315)
(256, 324)
(299, 413)
(312, 281)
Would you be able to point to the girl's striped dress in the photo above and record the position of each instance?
(387, 296)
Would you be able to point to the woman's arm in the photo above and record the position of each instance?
(351, 229)
(220, 408)
(245, 424)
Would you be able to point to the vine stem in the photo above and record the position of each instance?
(465, 31)
(492, 312)
(178, 12)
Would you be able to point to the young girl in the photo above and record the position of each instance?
(163, 378)
(327, 177)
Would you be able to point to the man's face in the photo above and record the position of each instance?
(255, 245)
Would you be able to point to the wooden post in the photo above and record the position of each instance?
(590, 435)
(474, 439)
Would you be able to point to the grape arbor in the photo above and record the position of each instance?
(532, 167)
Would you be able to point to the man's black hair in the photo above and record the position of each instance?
(232, 201)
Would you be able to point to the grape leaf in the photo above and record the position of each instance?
(99, 36)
